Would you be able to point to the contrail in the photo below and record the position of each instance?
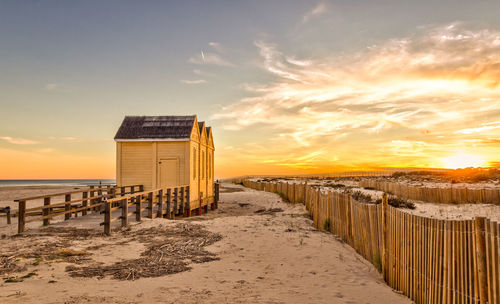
(202, 56)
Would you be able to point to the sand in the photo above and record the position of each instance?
(265, 255)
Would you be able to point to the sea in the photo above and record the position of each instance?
(56, 182)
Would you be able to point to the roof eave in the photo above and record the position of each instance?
(150, 139)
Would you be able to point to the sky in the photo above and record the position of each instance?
(289, 87)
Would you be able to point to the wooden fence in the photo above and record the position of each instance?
(449, 195)
(83, 201)
(428, 260)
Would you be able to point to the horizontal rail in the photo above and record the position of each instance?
(144, 193)
(102, 188)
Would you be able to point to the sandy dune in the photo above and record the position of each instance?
(269, 253)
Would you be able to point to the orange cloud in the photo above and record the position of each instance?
(407, 101)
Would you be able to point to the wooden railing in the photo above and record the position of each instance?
(85, 200)
(164, 202)
(429, 260)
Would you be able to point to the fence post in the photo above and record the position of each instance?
(124, 216)
(107, 218)
(21, 216)
(67, 206)
(188, 201)
(169, 200)
(217, 188)
(91, 194)
(160, 203)
(46, 211)
(8, 216)
(100, 200)
(138, 204)
(84, 202)
(175, 201)
(385, 208)
(150, 205)
(141, 188)
(349, 219)
(181, 201)
(479, 223)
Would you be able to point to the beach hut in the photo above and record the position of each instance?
(165, 151)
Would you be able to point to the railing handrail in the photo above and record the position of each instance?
(143, 193)
(102, 187)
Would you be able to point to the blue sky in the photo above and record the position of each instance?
(70, 71)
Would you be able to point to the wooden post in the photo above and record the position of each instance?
(138, 204)
(21, 216)
(67, 206)
(181, 201)
(479, 223)
(150, 205)
(385, 209)
(100, 200)
(160, 203)
(349, 218)
(141, 188)
(217, 188)
(169, 201)
(84, 202)
(188, 199)
(46, 211)
(124, 216)
(91, 194)
(8, 216)
(122, 191)
(175, 201)
(107, 218)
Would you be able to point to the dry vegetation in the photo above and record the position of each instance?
(167, 250)
(467, 175)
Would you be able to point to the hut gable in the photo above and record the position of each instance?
(195, 132)
(210, 139)
(156, 128)
(203, 133)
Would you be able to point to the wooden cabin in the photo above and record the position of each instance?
(165, 151)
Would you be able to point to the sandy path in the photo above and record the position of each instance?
(266, 257)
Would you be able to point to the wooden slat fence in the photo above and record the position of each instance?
(448, 195)
(429, 260)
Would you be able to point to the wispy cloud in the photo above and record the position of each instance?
(211, 58)
(195, 81)
(418, 87)
(319, 9)
(66, 138)
(18, 141)
(485, 127)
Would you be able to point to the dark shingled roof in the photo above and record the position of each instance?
(156, 127)
(208, 130)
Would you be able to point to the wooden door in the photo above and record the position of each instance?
(169, 172)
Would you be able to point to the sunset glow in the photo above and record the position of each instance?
(463, 160)
(317, 88)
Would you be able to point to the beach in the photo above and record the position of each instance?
(253, 249)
